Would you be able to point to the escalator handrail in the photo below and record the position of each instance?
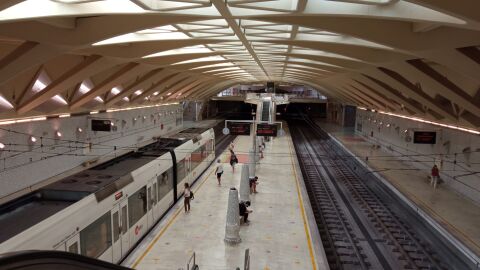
(30, 258)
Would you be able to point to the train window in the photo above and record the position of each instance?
(150, 198)
(116, 227)
(137, 206)
(96, 237)
(181, 170)
(165, 183)
(155, 193)
(198, 156)
(124, 219)
(73, 248)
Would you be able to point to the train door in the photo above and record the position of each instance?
(73, 244)
(124, 238)
(156, 210)
(116, 229)
(150, 211)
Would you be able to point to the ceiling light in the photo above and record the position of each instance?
(126, 99)
(156, 93)
(2, 146)
(168, 94)
(80, 130)
(93, 112)
(5, 103)
(58, 134)
(138, 92)
(115, 90)
(33, 139)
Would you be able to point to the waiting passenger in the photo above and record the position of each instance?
(435, 175)
(219, 171)
(253, 181)
(233, 161)
(260, 149)
(244, 211)
(187, 194)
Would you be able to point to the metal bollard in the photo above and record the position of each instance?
(252, 164)
(245, 184)
(232, 228)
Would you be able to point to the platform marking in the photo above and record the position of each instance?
(300, 200)
(170, 222)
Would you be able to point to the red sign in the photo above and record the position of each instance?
(267, 130)
(118, 195)
(137, 229)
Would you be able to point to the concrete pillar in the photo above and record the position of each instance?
(252, 163)
(244, 184)
(232, 228)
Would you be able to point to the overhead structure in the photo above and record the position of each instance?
(415, 57)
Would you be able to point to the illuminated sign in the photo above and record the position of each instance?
(425, 137)
(267, 130)
(239, 128)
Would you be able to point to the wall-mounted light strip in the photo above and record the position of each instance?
(141, 107)
(431, 122)
(65, 115)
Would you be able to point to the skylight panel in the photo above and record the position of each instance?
(157, 33)
(215, 65)
(203, 59)
(184, 50)
(5, 103)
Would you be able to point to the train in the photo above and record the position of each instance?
(104, 211)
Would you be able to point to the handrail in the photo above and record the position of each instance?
(246, 265)
(194, 266)
(48, 259)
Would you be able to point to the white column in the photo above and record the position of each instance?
(244, 184)
(232, 228)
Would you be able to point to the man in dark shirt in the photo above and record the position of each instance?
(244, 211)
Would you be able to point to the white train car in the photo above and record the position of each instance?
(104, 211)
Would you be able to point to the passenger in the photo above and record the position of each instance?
(233, 161)
(435, 175)
(187, 194)
(231, 147)
(244, 211)
(219, 171)
(260, 149)
(253, 181)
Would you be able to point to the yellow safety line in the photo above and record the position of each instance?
(170, 222)
(300, 200)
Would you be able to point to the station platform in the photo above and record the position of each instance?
(457, 215)
(282, 232)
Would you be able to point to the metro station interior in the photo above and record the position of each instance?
(239, 134)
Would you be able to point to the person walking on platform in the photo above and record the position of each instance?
(187, 195)
(435, 175)
(231, 147)
(233, 160)
(219, 171)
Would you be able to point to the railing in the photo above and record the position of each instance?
(246, 265)
(191, 263)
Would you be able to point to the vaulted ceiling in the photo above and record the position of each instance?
(415, 57)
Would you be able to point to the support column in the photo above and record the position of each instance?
(244, 184)
(232, 228)
(252, 163)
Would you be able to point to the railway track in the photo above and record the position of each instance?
(358, 229)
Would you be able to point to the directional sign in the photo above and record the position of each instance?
(239, 128)
(267, 130)
(425, 137)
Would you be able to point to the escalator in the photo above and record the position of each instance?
(48, 260)
(265, 110)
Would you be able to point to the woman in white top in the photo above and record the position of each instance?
(219, 171)
(187, 195)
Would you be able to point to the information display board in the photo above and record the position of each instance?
(267, 130)
(101, 125)
(239, 128)
(425, 137)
